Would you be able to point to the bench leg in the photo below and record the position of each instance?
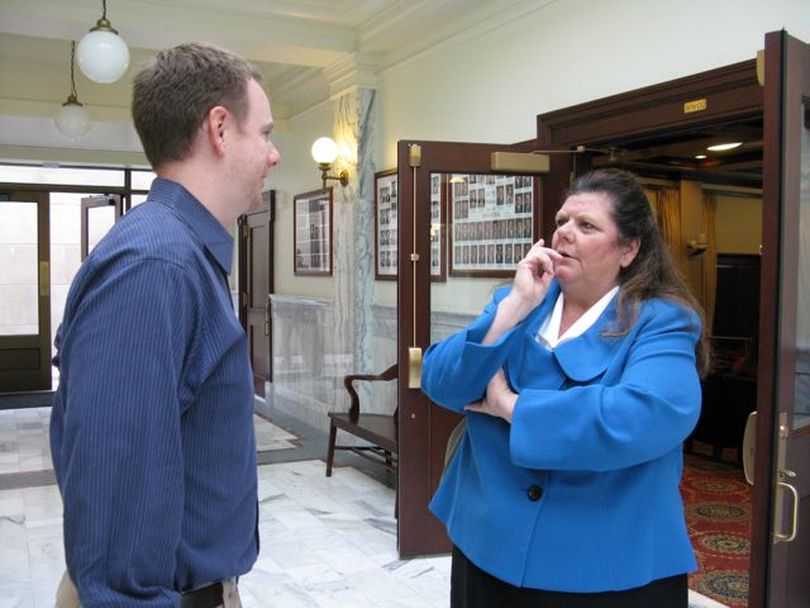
(330, 454)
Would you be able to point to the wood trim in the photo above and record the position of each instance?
(732, 93)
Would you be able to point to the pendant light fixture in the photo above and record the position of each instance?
(72, 120)
(103, 55)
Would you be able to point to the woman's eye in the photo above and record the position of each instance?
(559, 222)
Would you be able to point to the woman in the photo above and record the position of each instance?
(579, 385)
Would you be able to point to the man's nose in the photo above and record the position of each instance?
(274, 157)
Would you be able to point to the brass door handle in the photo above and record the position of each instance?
(779, 537)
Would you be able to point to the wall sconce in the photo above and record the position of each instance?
(324, 152)
(103, 55)
(72, 120)
(697, 246)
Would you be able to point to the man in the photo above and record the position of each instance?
(152, 424)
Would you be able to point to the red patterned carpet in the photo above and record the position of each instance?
(718, 513)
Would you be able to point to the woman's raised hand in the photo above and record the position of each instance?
(534, 274)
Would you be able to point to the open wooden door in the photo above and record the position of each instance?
(256, 285)
(25, 333)
(781, 538)
(99, 213)
(447, 270)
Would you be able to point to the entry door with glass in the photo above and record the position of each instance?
(99, 213)
(782, 460)
(25, 318)
(463, 224)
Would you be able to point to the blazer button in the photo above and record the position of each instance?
(535, 493)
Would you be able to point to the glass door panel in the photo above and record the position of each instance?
(24, 292)
(19, 260)
(801, 406)
(99, 213)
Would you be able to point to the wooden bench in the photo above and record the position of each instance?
(378, 429)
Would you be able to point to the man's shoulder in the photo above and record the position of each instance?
(151, 231)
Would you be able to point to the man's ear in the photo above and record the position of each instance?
(215, 127)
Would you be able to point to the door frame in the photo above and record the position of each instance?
(245, 271)
(730, 93)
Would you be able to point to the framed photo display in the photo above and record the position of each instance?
(386, 229)
(312, 233)
(492, 223)
(385, 225)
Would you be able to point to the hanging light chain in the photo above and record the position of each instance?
(104, 9)
(72, 70)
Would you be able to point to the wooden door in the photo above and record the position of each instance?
(781, 539)
(256, 280)
(25, 329)
(99, 213)
(429, 308)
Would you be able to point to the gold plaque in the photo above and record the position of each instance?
(519, 162)
(696, 105)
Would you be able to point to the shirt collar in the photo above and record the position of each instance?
(549, 331)
(211, 233)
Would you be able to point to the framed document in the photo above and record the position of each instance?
(312, 233)
(492, 223)
(438, 226)
(385, 226)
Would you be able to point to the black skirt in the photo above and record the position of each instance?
(471, 587)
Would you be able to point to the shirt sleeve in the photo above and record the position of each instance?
(456, 370)
(122, 477)
(647, 412)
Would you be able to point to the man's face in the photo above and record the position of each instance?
(254, 153)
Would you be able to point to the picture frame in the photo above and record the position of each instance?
(312, 233)
(492, 223)
(438, 227)
(385, 225)
(386, 248)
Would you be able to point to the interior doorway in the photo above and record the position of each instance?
(256, 285)
(661, 134)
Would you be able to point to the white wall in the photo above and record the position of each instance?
(489, 85)
(296, 174)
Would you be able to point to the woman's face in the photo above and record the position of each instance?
(590, 244)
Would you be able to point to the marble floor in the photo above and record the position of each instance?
(325, 542)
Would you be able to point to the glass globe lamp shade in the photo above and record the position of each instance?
(324, 150)
(103, 55)
(72, 120)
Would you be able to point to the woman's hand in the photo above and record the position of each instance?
(534, 274)
(499, 400)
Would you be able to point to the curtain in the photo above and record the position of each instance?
(709, 261)
(669, 218)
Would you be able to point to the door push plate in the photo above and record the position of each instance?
(414, 367)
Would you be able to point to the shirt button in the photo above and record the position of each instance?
(535, 493)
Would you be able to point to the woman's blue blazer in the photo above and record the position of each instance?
(580, 492)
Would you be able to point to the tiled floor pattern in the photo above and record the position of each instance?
(325, 542)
